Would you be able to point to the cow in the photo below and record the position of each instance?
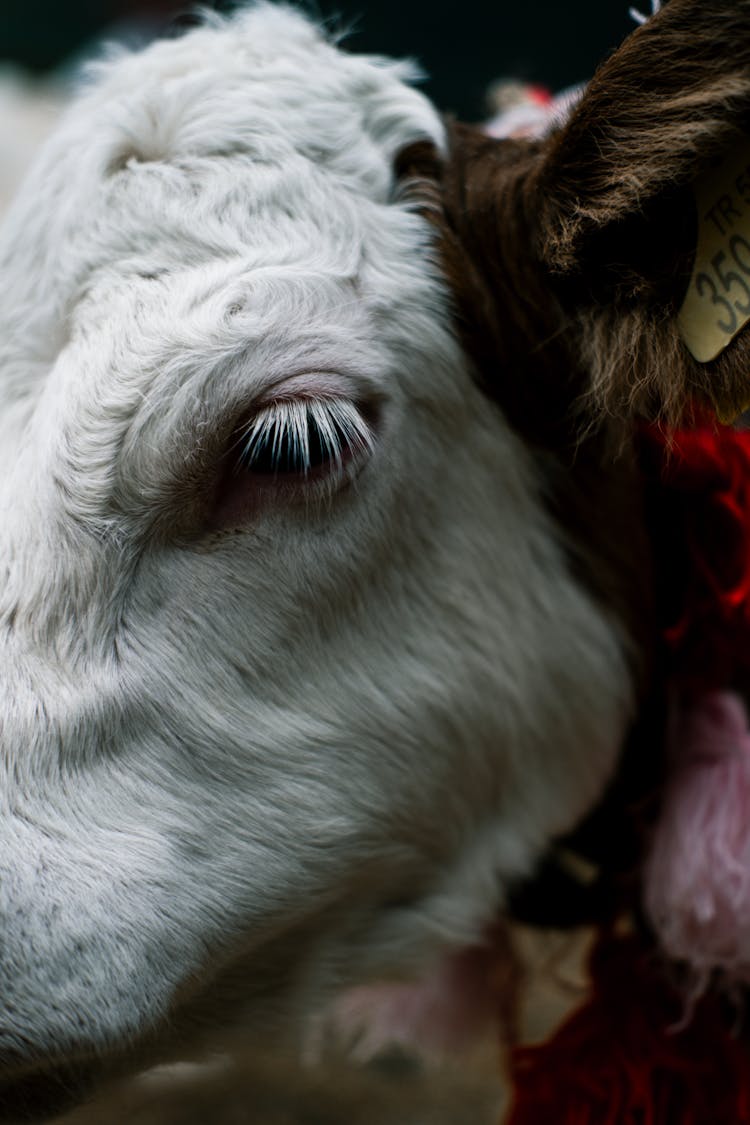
(327, 592)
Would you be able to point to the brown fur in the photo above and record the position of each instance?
(516, 332)
(568, 260)
(616, 211)
(572, 255)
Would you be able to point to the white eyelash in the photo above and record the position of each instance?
(339, 424)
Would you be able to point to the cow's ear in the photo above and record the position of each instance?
(643, 208)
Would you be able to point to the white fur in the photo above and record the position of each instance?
(242, 769)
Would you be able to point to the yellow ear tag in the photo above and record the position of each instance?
(717, 303)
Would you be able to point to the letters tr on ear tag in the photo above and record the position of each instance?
(717, 302)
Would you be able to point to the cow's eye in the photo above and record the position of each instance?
(303, 439)
(291, 448)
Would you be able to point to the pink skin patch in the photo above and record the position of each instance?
(469, 996)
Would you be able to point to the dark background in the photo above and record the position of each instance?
(461, 46)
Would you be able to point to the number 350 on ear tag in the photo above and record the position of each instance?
(717, 302)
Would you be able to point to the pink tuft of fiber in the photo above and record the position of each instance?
(697, 875)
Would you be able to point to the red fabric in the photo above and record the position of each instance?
(620, 1061)
(700, 498)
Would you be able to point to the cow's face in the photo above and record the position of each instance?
(299, 668)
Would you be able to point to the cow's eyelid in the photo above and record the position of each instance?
(299, 436)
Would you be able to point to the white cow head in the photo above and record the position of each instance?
(304, 655)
